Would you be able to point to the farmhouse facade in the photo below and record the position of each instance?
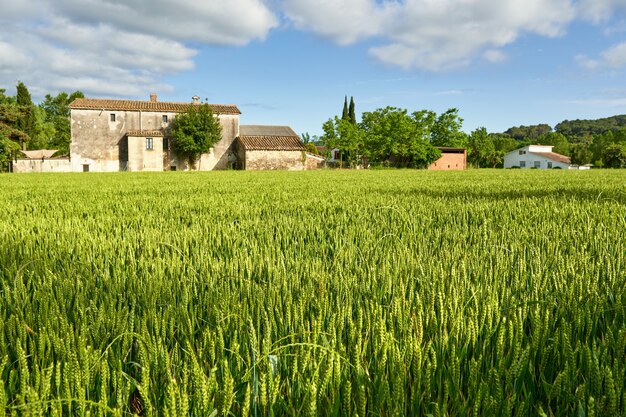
(536, 156)
(130, 135)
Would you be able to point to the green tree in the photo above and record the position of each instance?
(11, 121)
(580, 154)
(481, 150)
(347, 137)
(55, 130)
(525, 133)
(614, 156)
(44, 131)
(194, 132)
(351, 111)
(4, 99)
(558, 140)
(311, 148)
(26, 122)
(393, 136)
(10, 140)
(344, 113)
(22, 97)
(8, 148)
(446, 130)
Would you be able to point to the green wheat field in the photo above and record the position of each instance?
(329, 293)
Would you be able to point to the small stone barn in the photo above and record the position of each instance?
(451, 159)
(271, 147)
(40, 160)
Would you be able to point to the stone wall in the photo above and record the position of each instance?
(314, 161)
(140, 158)
(42, 165)
(271, 160)
(100, 143)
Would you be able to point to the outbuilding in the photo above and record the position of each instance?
(536, 156)
(451, 159)
(270, 148)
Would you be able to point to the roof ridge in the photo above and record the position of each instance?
(142, 105)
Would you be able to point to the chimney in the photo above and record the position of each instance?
(153, 97)
(195, 99)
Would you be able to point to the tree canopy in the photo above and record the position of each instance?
(388, 136)
(195, 131)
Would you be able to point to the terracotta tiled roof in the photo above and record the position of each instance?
(271, 143)
(269, 138)
(153, 106)
(144, 133)
(553, 156)
(266, 130)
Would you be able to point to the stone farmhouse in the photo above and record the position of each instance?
(129, 135)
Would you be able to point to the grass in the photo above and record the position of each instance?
(485, 292)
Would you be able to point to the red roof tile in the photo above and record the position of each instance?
(269, 138)
(149, 106)
(271, 143)
(553, 156)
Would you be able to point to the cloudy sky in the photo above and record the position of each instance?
(500, 62)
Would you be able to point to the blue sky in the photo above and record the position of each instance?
(291, 62)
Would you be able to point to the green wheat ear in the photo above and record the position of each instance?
(336, 293)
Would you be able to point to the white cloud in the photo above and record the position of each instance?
(598, 10)
(612, 58)
(587, 63)
(232, 22)
(342, 21)
(126, 47)
(494, 56)
(615, 57)
(600, 102)
(432, 34)
(114, 47)
(11, 58)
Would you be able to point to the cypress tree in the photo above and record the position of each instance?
(23, 96)
(26, 122)
(345, 115)
(351, 113)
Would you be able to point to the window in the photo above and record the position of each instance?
(172, 167)
(149, 144)
(165, 118)
(522, 152)
(336, 155)
(166, 144)
(522, 164)
(549, 164)
(112, 117)
(537, 164)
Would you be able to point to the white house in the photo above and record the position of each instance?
(536, 156)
